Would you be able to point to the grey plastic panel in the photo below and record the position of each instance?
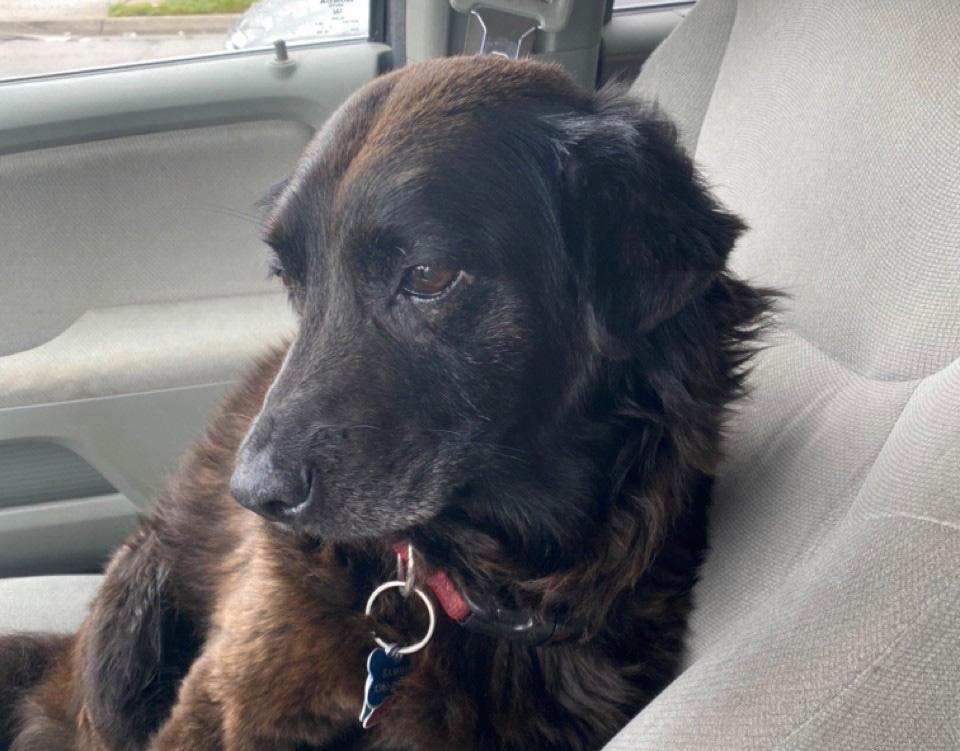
(136, 348)
(128, 388)
(72, 536)
(134, 440)
(154, 97)
(135, 284)
(40, 471)
(430, 32)
(630, 37)
(140, 219)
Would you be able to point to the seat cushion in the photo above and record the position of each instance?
(45, 603)
(828, 613)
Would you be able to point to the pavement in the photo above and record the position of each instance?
(89, 17)
(35, 54)
(52, 36)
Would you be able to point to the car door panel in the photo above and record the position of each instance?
(632, 34)
(137, 286)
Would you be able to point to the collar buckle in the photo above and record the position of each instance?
(517, 626)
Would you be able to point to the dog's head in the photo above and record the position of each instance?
(466, 242)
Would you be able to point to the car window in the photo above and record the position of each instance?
(54, 36)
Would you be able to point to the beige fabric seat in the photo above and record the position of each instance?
(46, 603)
(828, 615)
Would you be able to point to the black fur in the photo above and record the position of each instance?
(24, 658)
(137, 646)
(545, 428)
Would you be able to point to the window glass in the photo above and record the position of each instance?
(51, 36)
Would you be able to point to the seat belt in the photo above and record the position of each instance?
(564, 31)
(507, 27)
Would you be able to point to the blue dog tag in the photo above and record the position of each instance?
(383, 671)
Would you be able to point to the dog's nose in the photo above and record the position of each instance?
(277, 494)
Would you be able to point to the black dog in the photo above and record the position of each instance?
(518, 340)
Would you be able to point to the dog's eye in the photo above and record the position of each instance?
(428, 281)
(276, 270)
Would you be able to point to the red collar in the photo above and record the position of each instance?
(443, 589)
(515, 625)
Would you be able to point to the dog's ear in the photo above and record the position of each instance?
(270, 198)
(648, 236)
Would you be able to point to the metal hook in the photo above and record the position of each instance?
(405, 570)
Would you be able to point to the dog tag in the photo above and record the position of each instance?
(383, 671)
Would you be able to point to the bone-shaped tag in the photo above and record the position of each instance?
(383, 671)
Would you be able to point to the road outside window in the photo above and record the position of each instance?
(53, 36)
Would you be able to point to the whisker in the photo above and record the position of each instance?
(250, 418)
(353, 426)
(254, 219)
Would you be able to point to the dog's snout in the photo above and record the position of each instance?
(276, 493)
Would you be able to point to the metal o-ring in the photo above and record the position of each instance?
(417, 646)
